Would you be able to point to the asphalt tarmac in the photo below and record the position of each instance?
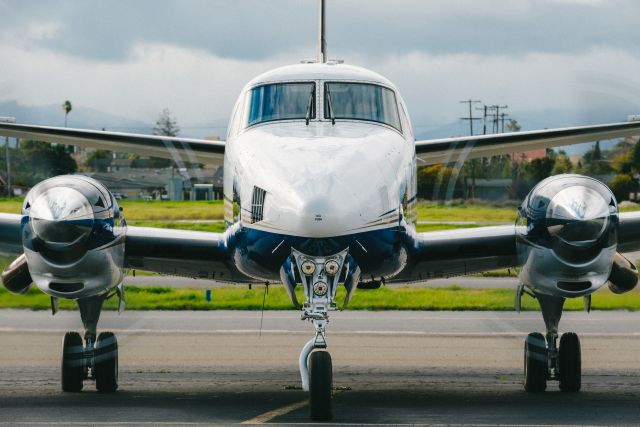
(427, 368)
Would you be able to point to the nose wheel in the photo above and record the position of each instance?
(320, 386)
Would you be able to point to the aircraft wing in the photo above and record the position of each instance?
(174, 148)
(448, 150)
(462, 251)
(179, 253)
(457, 252)
(10, 234)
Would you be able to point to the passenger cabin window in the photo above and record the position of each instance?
(280, 101)
(361, 101)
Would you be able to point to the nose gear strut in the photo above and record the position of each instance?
(319, 276)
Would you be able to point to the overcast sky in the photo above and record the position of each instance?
(133, 58)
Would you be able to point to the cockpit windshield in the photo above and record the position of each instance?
(361, 101)
(280, 101)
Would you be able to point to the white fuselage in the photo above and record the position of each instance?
(320, 179)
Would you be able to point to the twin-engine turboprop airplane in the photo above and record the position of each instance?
(320, 190)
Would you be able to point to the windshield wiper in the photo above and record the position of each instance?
(330, 105)
(309, 105)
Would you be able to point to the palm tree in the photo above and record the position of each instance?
(66, 106)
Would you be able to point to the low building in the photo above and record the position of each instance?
(491, 189)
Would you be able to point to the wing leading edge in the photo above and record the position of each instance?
(185, 253)
(449, 150)
(471, 250)
(174, 148)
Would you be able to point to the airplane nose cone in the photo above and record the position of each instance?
(578, 215)
(61, 216)
(319, 215)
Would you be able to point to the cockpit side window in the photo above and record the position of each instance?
(361, 101)
(280, 101)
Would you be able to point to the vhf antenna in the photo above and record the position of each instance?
(321, 54)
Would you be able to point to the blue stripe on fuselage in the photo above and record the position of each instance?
(260, 254)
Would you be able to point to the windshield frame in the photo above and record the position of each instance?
(333, 116)
(247, 103)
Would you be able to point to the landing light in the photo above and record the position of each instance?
(308, 267)
(320, 289)
(331, 267)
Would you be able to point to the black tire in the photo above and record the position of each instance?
(72, 362)
(105, 366)
(320, 386)
(535, 363)
(570, 363)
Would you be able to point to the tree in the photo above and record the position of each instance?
(36, 161)
(594, 162)
(562, 164)
(622, 185)
(539, 169)
(99, 160)
(433, 182)
(513, 126)
(166, 124)
(67, 107)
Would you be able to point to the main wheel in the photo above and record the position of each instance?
(72, 362)
(320, 386)
(570, 363)
(535, 363)
(105, 364)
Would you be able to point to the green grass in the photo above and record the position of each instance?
(401, 298)
(149, 210)
(216, 227)
(171, 210)
(440, 212)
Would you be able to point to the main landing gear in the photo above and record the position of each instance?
(319, 276)
(544, 360)
(95, 357)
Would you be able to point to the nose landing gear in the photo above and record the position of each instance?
(319, 277)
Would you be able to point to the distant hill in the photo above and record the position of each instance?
(89, 118)
(80, 117)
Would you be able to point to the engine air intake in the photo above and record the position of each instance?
(574, 286)
(66, 287)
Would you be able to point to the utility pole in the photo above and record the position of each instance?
(496, 117)
(470, 118)
(473, 161)
(6, 151)
(485, 113)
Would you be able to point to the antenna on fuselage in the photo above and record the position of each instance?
(321, 54)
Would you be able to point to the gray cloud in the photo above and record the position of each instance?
(257, 29)
(133, 58)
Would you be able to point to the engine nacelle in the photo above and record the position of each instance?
(567, 235)
(73, 237)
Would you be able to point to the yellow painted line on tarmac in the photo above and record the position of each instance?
(268, 416)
